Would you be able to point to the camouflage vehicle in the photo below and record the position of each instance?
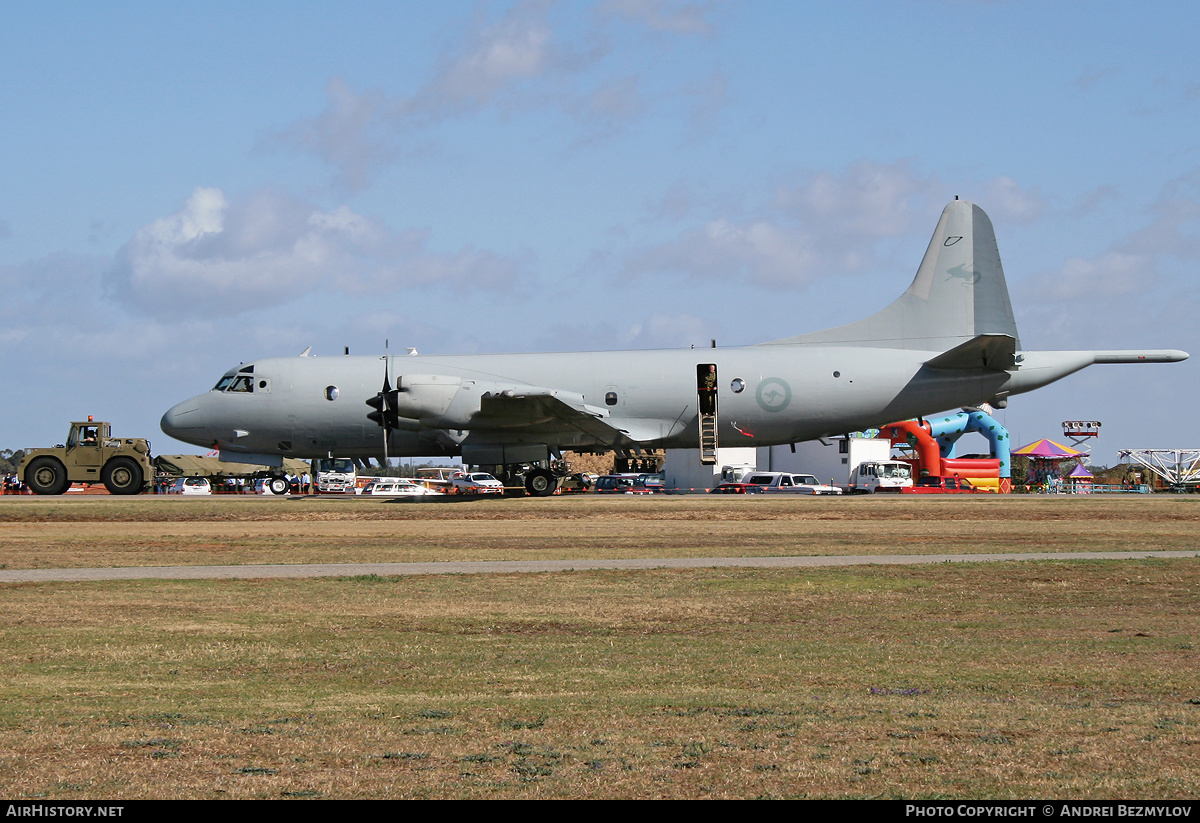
(91, 455)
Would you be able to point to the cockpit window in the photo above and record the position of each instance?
(243, 383)
(224, 382)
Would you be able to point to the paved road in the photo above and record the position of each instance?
(249, 572)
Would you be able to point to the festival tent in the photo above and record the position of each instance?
(1081, 479)
(1046, 449)
(1044, 456)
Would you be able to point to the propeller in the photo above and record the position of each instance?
(385, 404)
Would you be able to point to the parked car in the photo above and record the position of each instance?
(190, 485)
(475, 483)
(619, 484)
(934, 484)
(394, 487)
(655, 483)
(737, 488)
(789, 483)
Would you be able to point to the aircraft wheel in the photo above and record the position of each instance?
(46, 475)
(278, 485)
(122, 475)
(540, 483)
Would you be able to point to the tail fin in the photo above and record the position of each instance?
(958, 294)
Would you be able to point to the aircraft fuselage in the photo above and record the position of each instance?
(766, 395)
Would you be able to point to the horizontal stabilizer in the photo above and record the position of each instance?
(984, 351)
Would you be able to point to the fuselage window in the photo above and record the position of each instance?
(331, 392)
(610, 398)
(738, 385)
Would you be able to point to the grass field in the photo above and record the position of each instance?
(37, 532)
(1048, 679)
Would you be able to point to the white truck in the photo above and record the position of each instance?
(871, 467)
(875, 476)
(334, 475)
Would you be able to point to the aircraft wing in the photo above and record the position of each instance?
(530, 408)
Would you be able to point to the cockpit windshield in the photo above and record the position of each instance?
(235, 382)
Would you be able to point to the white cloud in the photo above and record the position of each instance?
(872, 199)
(619, 101)
(665, 15)
(1175, 229)
(1090, 201)
(217, 256)
(1124, 281)
(655, 331)
(758, 251)
(822, 224)
(515, 62)
(1008, 201)
(1108, 275)
(354, 134)
(497, 56)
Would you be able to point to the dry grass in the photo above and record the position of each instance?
(106, 531)
(1055, 679)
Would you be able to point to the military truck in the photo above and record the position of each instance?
(91, 455)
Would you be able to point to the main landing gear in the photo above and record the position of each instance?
(540, 482)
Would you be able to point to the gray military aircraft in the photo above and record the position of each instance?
(949, 341)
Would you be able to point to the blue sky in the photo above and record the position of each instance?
(185, 188)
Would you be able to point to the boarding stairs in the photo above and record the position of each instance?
(708, 439)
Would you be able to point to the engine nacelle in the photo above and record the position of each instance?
(439, 401)
(425, 396)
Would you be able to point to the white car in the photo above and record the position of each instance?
(788, 483)
(190, 485)
(394, 487)
(475, 483)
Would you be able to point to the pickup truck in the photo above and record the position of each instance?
(940, 485)
(788, 483)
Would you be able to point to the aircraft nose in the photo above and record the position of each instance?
(184, 422)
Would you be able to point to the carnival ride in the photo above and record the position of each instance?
(1178, 467)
